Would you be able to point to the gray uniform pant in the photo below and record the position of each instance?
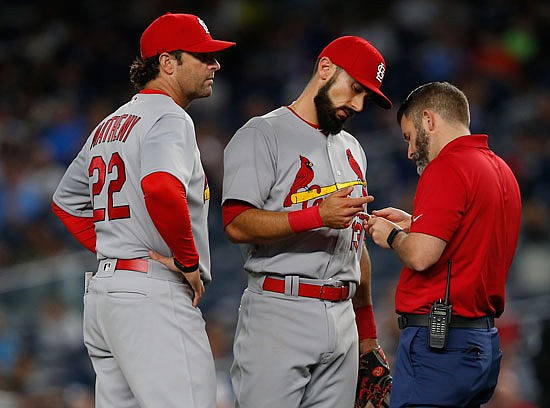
(294, 352)
(146, 341)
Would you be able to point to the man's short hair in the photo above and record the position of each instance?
(441, 97)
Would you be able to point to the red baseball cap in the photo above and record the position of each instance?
(186, 32)
(362, 61)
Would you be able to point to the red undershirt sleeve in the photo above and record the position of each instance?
(232, 208)
(166, 203)
(82, 228)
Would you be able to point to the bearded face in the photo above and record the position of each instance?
(422, 146)
(329, 121)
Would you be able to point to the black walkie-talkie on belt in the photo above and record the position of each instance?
(440, 318)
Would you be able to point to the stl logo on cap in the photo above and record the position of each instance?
(203, 24)
(362, 61)
(381, 72)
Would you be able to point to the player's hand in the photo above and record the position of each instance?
(338, 210)
(395, 215)
(367, 345)
(194, 278)
(374, 381)
(379, 229)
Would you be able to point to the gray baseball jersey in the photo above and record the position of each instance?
(150, 133)
(278, 162)
(146, 340)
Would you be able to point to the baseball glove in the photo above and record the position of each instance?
(374, 381)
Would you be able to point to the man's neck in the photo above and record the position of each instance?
(304, 106)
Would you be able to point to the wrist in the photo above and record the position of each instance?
(366, 325)
(391, 236)
(185, 269)
(305, 220)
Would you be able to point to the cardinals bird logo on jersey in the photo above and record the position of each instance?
(356, 169)
(302, 191)
(302, 179)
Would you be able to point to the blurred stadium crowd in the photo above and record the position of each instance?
(64, 65)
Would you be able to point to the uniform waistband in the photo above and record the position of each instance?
(148, 267)
(294, 285)
(458, 322)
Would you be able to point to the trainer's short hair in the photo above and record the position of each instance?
(441, 97)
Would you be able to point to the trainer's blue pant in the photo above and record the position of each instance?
(464, 375)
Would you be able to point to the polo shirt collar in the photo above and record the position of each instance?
(479, 141)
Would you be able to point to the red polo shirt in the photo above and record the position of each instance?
(470, 198)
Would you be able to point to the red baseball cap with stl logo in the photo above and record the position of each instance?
(362, 61)
(186, 32)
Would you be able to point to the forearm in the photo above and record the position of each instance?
(418, 251)
(363, 294)
(166, 204)
(259, 226)
(362, 304)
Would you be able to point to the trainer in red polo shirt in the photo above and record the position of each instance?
(465, 224)
(456, 200)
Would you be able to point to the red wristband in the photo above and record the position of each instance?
(306, 219)
(366, 326)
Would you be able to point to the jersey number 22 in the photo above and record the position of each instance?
(114, 185)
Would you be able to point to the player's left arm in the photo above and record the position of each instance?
(373, 378)
(362, 304)
(166, 202)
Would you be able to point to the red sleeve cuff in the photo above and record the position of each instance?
(366, 325)
(232, 208)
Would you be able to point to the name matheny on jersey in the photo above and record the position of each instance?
(116, 128)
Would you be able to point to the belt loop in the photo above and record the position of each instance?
(402, 322)
(151, 267)
(292, 285)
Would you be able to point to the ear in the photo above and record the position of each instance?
(325, 68)
(166, 63)
(428, 120)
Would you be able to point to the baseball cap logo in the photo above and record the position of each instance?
(203, 24)
(381, 72)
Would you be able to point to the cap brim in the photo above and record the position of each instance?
(380, 99)
(377, 96)
(210, 46)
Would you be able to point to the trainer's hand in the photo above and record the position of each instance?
(338, 210)
(194, 278)
(395, 215)
(379, 229)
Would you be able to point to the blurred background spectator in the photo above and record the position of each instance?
(64, 65)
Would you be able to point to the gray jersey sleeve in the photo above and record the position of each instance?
(250, 166)
(73, 192)
(170, 147)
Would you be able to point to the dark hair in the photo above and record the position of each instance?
(143, 71)
(441, 97)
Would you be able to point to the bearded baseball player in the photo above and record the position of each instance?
(138, 197)
(294, 190)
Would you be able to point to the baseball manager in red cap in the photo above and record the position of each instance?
(138, 197)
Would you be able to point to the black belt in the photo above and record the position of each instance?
(458, 322)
